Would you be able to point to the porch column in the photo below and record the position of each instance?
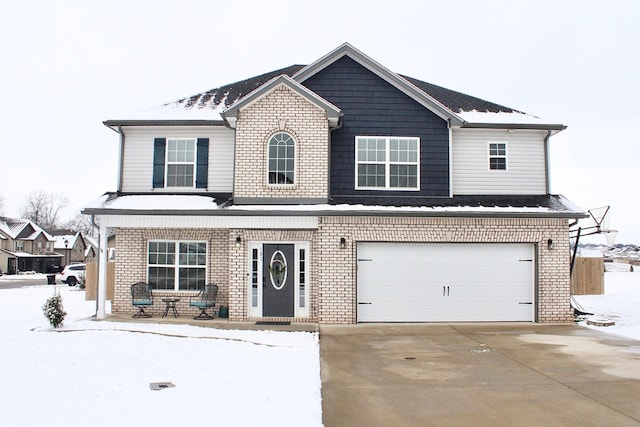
(102, 273)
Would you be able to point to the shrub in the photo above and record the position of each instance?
(54, 311)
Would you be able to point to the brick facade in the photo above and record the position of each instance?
(333, 291)
(282, 110)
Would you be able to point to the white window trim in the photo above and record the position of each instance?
(505, 157)
(298, 312)
(387, 164)
(176, 265)
(19, 246)
(295, 162)
(167, 163)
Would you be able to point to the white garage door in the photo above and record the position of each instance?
(420, 282)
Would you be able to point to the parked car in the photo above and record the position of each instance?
(74, 274)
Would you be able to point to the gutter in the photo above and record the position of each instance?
(548, 127)
(192, 122)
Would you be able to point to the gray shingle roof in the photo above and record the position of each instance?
(230, 93)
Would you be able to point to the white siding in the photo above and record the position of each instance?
(210, 221)
(138, 156)
(525, 172)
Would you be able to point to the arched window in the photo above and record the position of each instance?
(282, 154)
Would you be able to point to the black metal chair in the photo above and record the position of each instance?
(141, 297)
(205, 299)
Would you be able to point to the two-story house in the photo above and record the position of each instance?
(25, 247)
(341, 192)
(74, 247)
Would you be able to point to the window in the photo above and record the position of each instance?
(387, 163)
(281, 161)
(180, 163)
(19, 246)
(177, 266)
(497, 156)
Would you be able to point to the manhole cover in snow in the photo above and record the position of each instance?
(600, 321)
(161, 386)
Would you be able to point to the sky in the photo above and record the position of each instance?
(68, 65)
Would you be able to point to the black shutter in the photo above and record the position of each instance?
(202, 165)
(159, 145)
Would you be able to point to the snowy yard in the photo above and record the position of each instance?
(620, 302)
(99, 373)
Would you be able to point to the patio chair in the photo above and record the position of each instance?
(141, 297)
(205, 299)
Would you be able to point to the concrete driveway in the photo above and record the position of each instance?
(478, 374)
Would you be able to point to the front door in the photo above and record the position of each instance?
(278, 280)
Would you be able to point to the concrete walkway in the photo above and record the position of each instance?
(479, 375)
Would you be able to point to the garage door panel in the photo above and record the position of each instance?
(445, 282)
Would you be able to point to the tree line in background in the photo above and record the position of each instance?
(44, 209)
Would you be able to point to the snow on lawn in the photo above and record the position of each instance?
(620, 302)
(99, 373)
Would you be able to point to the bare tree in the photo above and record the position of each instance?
(81, 223)
(44, 208)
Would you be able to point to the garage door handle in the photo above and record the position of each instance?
(529, 303)
(363, 303)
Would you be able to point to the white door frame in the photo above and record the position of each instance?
(254, 276)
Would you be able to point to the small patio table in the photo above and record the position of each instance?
(170, 304)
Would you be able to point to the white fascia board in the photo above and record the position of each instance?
(226, 221)
(332, 112)
(384, 73)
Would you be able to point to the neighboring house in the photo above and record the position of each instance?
(25, 247)
(341, 192)
(75, 247)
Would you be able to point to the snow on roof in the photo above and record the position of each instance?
(185, 203)
(501, 117)
(70, 238)
(161, 202)
(12, 227)
(178, 111)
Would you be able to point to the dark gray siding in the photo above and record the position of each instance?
(373, 107)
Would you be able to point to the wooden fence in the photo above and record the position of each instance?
(588, 276)
(91, 282)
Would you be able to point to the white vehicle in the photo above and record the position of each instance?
(74, 274)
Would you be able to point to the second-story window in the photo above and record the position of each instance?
(19, 246)
(387, 163)
(281, 159)
(180, 163)
(498, 156)
(181, 157)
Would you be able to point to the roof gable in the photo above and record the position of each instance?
(389, 76)
(333, 112)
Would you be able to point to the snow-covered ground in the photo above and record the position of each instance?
(99, 373)
(620, 301)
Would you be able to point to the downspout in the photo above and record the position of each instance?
(329, 134)
(450, 159)
(546, 162)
